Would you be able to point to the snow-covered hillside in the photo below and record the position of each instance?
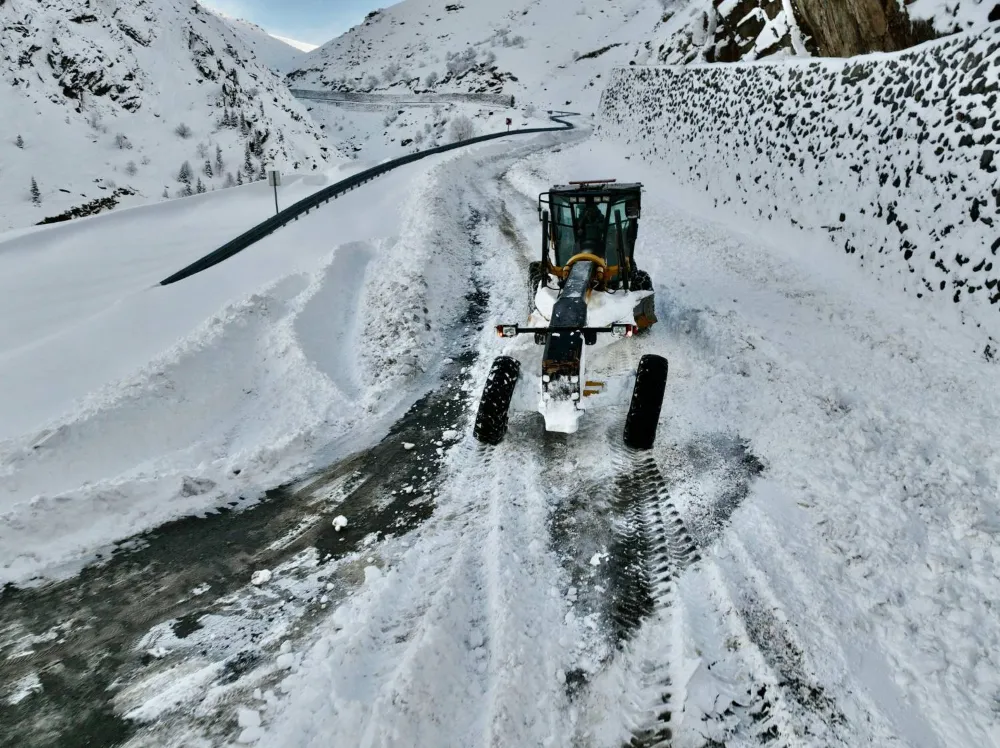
(549, 53)
(892, 159)
(105, 104)
(554, 53)
(276, 53)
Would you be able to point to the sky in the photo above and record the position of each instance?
(310, 21)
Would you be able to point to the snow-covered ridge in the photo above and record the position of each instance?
(276, 52)
(97, 98)
(893, 157)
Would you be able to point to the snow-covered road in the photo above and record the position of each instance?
(808, 557)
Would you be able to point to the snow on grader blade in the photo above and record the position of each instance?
(587, 295)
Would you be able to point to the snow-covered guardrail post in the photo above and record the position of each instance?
(274, 180)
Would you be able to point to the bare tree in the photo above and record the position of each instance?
(461, 128)
(131, 169)
(183, 131)
(122, 142)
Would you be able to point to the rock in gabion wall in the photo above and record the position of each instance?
(895, 156)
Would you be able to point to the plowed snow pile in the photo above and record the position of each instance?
(127, 404)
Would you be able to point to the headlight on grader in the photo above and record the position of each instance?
(507, 331)
(623, 330)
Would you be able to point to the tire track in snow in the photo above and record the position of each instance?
(658, 538)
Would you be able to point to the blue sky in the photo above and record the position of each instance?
(313, 21)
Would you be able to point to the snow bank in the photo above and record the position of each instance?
(892, 156)
(127, 404)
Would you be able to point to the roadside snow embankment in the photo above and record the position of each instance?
(127, 405)
(894, 157)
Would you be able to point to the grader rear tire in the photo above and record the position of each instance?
(491, 419)
(647, 400)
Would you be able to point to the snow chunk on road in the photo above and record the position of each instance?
(248, 717)
(263, 576)
(408, 446)
(372, 573)
(449, 435)
(339, 522)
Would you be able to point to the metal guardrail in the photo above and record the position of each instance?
(325, 195)
(355, 97)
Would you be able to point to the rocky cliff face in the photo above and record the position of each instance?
(732, 30)
(854, 27)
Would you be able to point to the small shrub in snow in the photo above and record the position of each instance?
(131, 169)
(94, 120)
(36, 194)
(389, 119)
(146, 161)
(166, 194)
(431, 79)
(184, 175)
(418, 137)
(391, 72)
(459, 63)
(230, 182)
(371, 82)
(122, 142)
(185, 191)
(461, 128)
(19, 142)
(183, 131)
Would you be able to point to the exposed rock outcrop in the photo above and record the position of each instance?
(855, 27)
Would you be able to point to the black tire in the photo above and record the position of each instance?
(647, 399)
(645, 310)
(641, 281)
(535, 277)
(491, 420)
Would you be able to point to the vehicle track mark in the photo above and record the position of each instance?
(657, 538)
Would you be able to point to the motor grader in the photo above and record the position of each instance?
(587, 294)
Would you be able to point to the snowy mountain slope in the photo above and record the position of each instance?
(892, 157)
(280, 55)
(301, 46)
(548, 53)
(118, 98)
